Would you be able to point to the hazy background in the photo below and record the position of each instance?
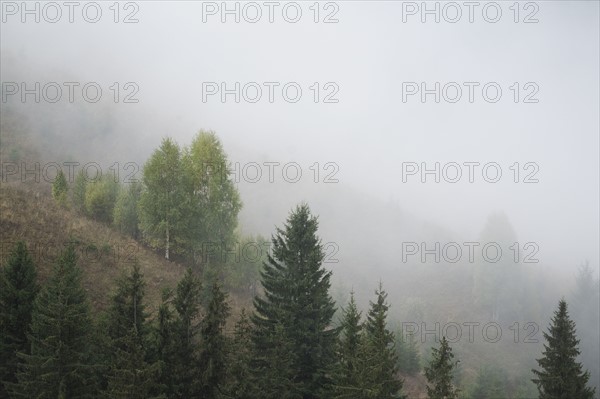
(367, 135)
(370, 132)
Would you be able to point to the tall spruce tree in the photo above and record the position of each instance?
(561, 376)
(439, 372)
(174, 340)
(239, 376)
(127, 309)
(213, 354)
(162, 345)
(296, 300)
(130, 376)
(185, 364)
(347, 372)
(18, 289)
(129, 373)
(274, 369)
(347, 368)
(380, 361)
(59, 364)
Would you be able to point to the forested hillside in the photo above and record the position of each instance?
(168, 289)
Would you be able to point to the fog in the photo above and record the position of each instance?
(370, 132)
(373, 141)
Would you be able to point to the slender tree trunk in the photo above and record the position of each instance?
(167, 243)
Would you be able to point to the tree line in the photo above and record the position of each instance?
(288, 346)
(185, 200)
(186, 204)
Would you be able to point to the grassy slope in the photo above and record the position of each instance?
(27, 214)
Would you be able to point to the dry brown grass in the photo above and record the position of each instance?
(28, 213)
(32, 216)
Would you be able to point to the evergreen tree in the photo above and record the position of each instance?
(129, 373)
(175, 340)
(186, 327)
(59, 362)
(347, 370)
(127, 309)
(439, 373)
(351, 329)
(274, 369)
(213, 355)
(18, 289)
(130, 376)
(60, 188)
(163, 345)
(561, 376)
(239, 377)
(380, 362)
(296, 301)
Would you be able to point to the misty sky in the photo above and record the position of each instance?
(370, 132)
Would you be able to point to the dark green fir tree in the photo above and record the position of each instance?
(214, 347)
(560, 375)
(129, 373)
(379, 358)
(59, 364)
(185, 363)
(239, 376)
(296, 310)
(439, 372)
(346, 376)
(18, 289)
